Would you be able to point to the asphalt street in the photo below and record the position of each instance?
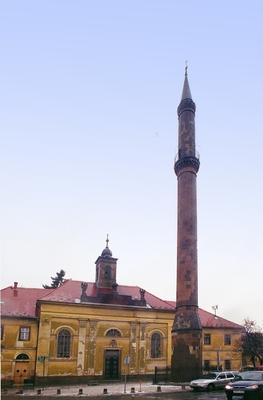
(189, 395)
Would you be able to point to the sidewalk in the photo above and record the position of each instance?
(98, 390)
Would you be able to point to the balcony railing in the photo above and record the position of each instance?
(182, 154)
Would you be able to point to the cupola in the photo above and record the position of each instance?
(106, 268)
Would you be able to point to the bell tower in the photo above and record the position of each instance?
(186, 331)
(106, 268)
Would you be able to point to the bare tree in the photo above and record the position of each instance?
(251, 343)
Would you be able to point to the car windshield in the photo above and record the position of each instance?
(251, 376)
(211, 375)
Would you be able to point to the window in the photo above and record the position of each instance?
(24, 333)
(113, 333)
(221, 376)
(207, 338)
(107, 272)
(63, 344)
(206, 365)
(227, 364)
(22, 356)
(227, 340)
(156, 345)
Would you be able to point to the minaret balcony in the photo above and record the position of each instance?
(186, 105)
(182, 162)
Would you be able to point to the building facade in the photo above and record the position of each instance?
(85, 331)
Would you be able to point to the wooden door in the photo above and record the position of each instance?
(21, 372)
(111, 364)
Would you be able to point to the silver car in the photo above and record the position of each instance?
(212, 381)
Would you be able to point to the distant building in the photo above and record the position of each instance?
(81, 331)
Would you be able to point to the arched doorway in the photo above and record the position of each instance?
(22, 370)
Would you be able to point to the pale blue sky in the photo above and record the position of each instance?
(89, 92)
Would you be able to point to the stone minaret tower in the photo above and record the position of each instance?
(186, 331)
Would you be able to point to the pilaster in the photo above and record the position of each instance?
(81, 347)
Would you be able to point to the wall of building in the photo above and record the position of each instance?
(88, 327)
(12, 348)
(219, 354)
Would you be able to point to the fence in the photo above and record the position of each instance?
(162, 375)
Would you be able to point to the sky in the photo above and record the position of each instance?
(88, 136)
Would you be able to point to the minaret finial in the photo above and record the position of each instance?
(107, 240)
(186, 67)
(186, 89)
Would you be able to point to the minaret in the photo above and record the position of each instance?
(186, 331)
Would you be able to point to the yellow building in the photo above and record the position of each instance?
(84, 331)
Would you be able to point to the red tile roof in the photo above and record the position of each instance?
(21, 302)
(209, 320)
(71, 290)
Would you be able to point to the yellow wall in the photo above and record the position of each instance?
(88, 326)
(217, 352)
(11, 346)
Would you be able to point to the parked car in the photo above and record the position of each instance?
(212, 381)
(249, 386)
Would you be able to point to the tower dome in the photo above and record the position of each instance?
(106, 252)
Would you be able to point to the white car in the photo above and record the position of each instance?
(212, 381)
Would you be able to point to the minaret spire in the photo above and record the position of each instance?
(186, 331)
(186, 94)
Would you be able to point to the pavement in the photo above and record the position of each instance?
(98, 390)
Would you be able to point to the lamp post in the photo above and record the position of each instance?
(218, 359)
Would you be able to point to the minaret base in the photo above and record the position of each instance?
(186, 358)
(187, 352)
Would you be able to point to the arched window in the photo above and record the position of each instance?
(63, 344)
(22, 356)
(113, 333)
(156, 345)
(107, 272)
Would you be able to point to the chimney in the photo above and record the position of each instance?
(15, 288)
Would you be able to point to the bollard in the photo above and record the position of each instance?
(80, 391)
(58, 391)
(38, 391)
(105, 391)
(132, 390)
(159, 389)
(183, 387)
